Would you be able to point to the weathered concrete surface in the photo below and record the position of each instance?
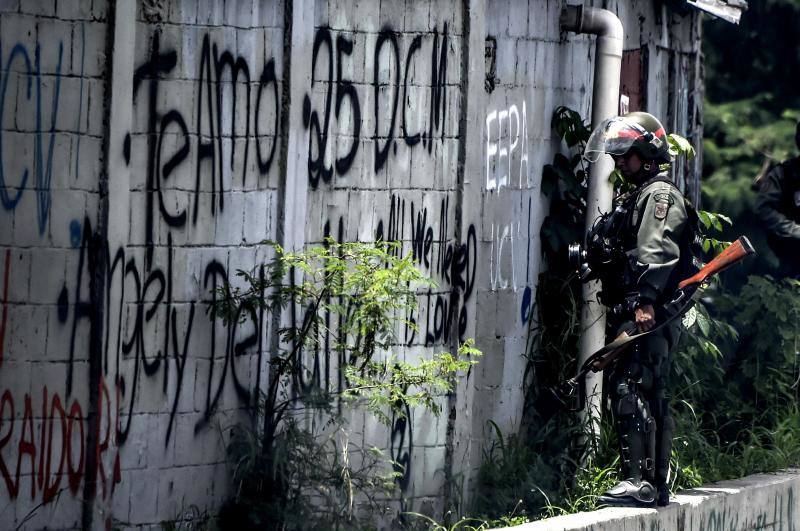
(148, 148)
(761, 501)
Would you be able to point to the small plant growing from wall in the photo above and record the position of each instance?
(302, 464)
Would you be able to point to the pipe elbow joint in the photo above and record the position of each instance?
(603, 23)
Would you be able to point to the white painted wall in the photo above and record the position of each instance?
(139, 196)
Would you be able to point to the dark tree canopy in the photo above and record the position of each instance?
(761, 55)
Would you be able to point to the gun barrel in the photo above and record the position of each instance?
(732, 254)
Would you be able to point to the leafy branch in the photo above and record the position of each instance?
(352, 299)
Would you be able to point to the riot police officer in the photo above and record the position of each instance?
(778, 210)
(654, 236)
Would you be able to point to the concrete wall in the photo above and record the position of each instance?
(147, 148)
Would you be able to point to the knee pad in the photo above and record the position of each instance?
(636, 429)
(625, 399)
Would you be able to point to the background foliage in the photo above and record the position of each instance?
(749, 420)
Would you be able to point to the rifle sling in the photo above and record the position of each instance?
(679, 305)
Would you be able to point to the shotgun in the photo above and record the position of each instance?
(574, 389)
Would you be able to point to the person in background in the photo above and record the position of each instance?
(777, 208)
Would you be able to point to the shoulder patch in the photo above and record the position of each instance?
(664, 197)
(663, 202)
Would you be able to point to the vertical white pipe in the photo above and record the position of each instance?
(605, 101)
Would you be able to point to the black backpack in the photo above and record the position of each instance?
(692, 261)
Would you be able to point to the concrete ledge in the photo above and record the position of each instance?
(761, 501)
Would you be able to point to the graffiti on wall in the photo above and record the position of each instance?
(391, 96)
(217, 69)
(148, 333)
(58, 455)
(508, 241)
(508, 166)
(124, 325)
(396, 112)
(37, 171)
(507, 148)
(4, 302)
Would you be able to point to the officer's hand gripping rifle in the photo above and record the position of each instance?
(574, 389)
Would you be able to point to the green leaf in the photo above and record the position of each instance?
(680, 146)
(569, 126)
(703, 324)
(705, 218)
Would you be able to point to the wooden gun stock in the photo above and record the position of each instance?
(732, 254)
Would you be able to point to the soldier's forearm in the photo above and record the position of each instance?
(789, 229)
(778, 224)
(652, 283)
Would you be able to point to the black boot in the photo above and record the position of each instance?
(662, 497)
(662, 460)
(630, 493)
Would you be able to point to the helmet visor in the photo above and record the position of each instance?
(613, 136)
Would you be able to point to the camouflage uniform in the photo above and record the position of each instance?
(778, 210)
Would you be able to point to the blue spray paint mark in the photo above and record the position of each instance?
(75, 233)
(526, 304)
(43, 177)
(44, 171)
(526, 309)
(80, 100)
(10, 203)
